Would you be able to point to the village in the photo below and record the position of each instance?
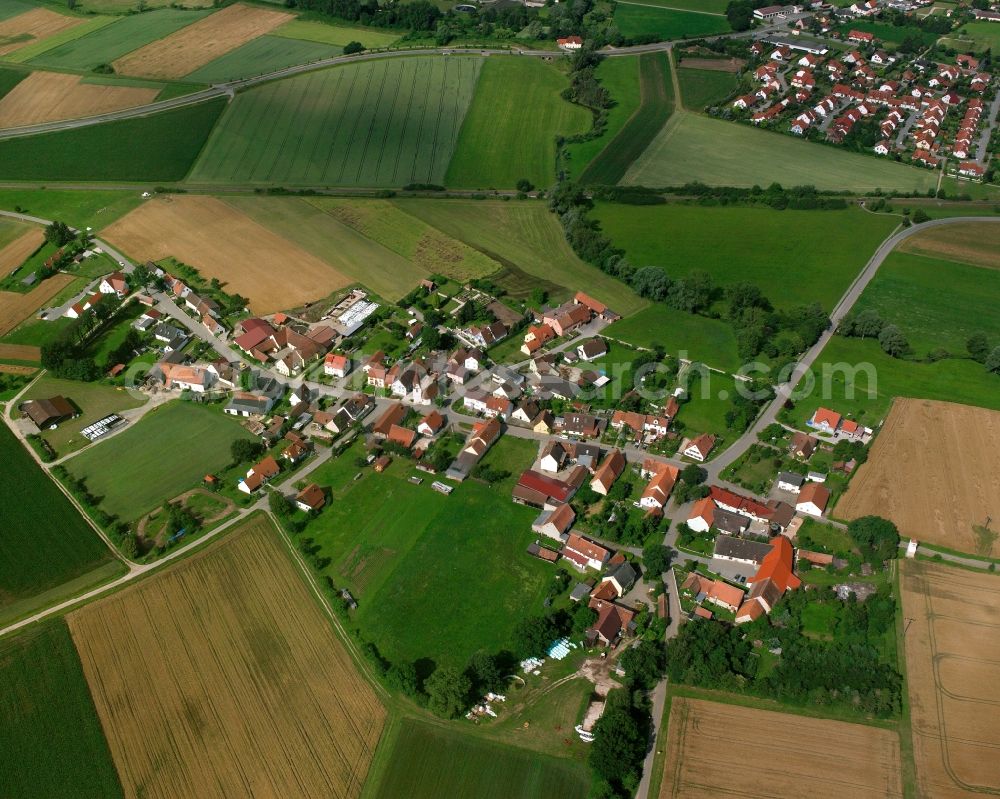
(828, 76)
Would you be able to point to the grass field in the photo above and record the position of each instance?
(656, 106)
(336, 35)
(261, 55)
(374, 123)
(932, 455)
(696, 148)
(891, 35)
(975, 36)
(429, 761)
(94, 400)
(133, 6)
(39, 552)
(667, 23)
(820, 252)
(171, 142)
(813, 754)
(9, 78)
(166, 452)
(950, 380)
(620, 76)
(115, 40)
(50, 735)
(248, 683)
(221, 242)
(469, 546)
(11, 230)
(195, 45)
(11, 8)
(701, 88)
(936, 303)
(79, 209)
(717, 7)
(529, 242)
(509, 132)
(951, 664)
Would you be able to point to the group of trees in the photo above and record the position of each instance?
(849, 670)
(979, 349)
(868, 324)
(877, 538)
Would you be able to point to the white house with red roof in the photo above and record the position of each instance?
(115, 283)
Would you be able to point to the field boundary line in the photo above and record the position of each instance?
(671, 8)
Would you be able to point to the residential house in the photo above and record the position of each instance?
(608, 472)
(247, 404)
(487, 335)
(569, 43)
(699, 448)
(78, 309)
(115, 283)
(186, 378)
(392, 415)
(612, 621)
(825, 420)
(584, 553)
(705, 515)
(622, 577)
(791, 482)
(430, 424)
(336, 365)
(581, 424)
(310, 499)
(740, 550)
(258, 475)
(567, 317)
(525, 412)
(536, 337)
(592, 350)
(541, 491)
(402, 436)
(657, 491)
(544, 423)
(556, 522)
(813, 499)
(725, 595)
(772, 580)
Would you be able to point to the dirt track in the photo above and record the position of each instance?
(219, 241)
(972, 243)
(717, 750)
(32, 25)
(952, 644)
(934, 470)
(48, 96)
(17, 252)
(184, 51)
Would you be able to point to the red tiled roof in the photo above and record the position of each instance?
(549, 486)
(777, 565)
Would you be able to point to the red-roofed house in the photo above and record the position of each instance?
(813, 499)
(609, 471)
(336, 365)
(582, 550)
(826, 420)
(657, 491)
(700, 447)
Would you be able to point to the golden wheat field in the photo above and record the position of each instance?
(952, 644)
(50, 96)
(221, 677)
(716, 750)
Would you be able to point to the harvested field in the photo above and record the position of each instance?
(20, 352)
(15, 308)
(933, 470)
(219, 241)
(194, 46)
(50, 96)
(973, 243)
(713, 64)
(31, 26)
(243, 686)
(951, 663)
(814, 754)
(13, 369)
(17, 252)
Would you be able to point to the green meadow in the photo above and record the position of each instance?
(259, 56)
(666, 23)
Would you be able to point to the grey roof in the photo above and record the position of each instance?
(791, 478)
(625, 574)
(580, 591)
(729, 522)
(728, 546)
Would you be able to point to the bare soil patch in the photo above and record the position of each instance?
(15, 307)
(51, 96)
(718, 750)
(219, 241)
(18, 251)
(953, 674)
(190, 48)
(14, 369)
(30, 26)
(974, 243)
(713, 64)
(20, 352)
(221, 677)
(934, 470)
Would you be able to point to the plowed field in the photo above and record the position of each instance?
(17, 252)
(15, 307)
